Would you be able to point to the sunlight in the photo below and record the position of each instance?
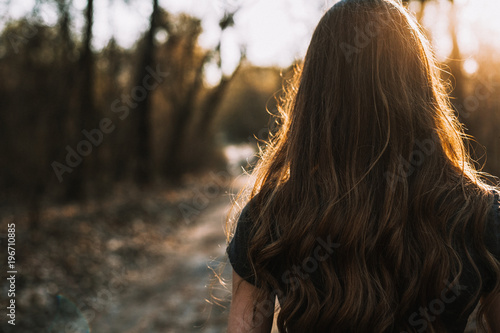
(273, 33)
(278, 32)
(127, 141)
(212, 74)
(470, 66)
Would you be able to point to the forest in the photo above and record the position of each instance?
(114, 157)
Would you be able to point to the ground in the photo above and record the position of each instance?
(176, 296)
(138, 261)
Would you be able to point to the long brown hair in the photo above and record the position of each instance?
(369, 155)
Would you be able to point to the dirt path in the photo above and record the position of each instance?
(172, 296)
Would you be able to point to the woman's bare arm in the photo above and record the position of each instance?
(241, 317)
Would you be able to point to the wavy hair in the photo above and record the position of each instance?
(369, 154)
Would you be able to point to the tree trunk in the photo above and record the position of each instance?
(143, 109)
(75, 188)
(183, 114)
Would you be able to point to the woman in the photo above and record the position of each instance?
(367, 214)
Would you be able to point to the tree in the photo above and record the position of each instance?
(184, 108)
(143, 108)
(215, 96)
(85, 112)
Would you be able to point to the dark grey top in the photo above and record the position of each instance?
(453, 306)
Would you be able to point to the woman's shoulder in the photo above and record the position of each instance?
(247, 215)
(237, 249)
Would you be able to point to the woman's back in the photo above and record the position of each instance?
(369, 157)
(453, 305)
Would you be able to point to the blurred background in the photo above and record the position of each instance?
(126, 127)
